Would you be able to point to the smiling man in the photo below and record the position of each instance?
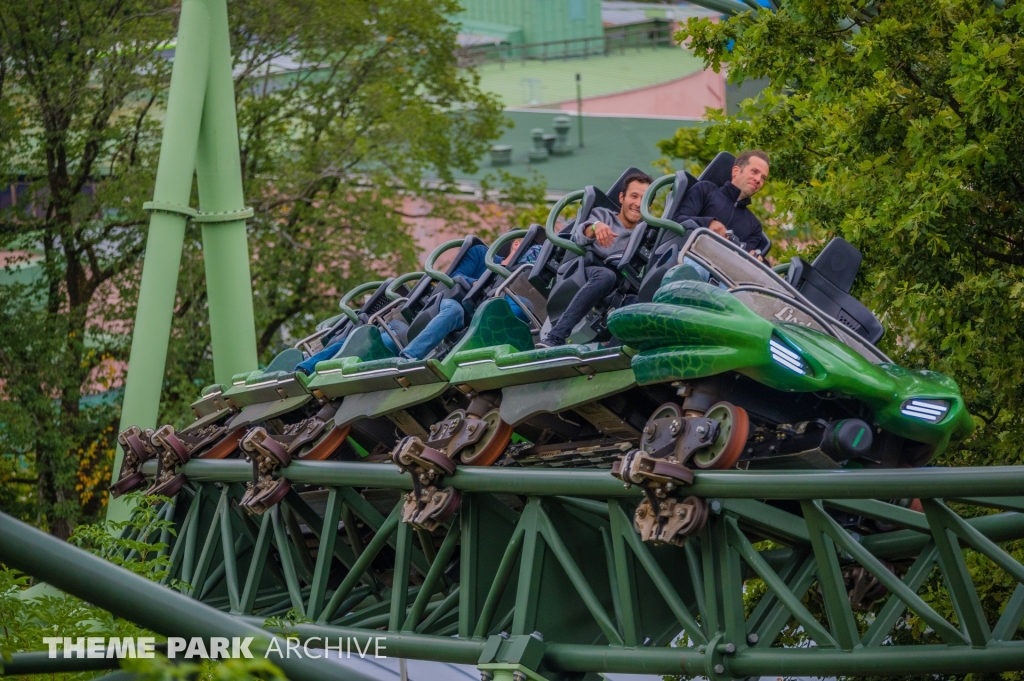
(605, 234)
(726, 207)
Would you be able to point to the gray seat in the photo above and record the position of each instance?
(827, 282)
(424, 301)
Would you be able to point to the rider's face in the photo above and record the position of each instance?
(751, 177)
(630, 200)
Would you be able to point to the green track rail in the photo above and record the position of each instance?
(542, 570)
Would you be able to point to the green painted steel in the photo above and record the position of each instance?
(994, 481)
(200, 136)
(693, 330)
(560, 556)
(549, 226)
(645, 206)
(223, 211)
(505, 238)
(135, 598)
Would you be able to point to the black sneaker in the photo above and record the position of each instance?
(546, 343)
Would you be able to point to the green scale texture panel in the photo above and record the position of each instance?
(693, 330)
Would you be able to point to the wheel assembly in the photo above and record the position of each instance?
(660, 466)
(266, 456)
(733, 429)
(327, 444)
(138, 448)
(491, 445)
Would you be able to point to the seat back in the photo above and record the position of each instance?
(377, 301)
(286, 360)
(486, 285)
(426, 285)
(423, 305)
(684, 181)
(552, 259)
(619, 185)
(719, 171)
(839, 262)
(828, 288)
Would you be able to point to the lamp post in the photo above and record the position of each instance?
(579, 108)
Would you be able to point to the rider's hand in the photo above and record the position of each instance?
(604, 234)
(757, 255)
(717, 227)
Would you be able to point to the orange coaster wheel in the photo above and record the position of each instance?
(491, 445)
(732, 437)
(226, 446)
(327, 445)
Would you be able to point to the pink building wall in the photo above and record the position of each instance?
(685, 97)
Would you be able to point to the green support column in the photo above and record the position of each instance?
(200, 128)
(219, 176)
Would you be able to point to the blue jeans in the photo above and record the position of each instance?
(705, 273)
(451, 317)
(308, 366)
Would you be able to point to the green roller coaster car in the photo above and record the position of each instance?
(743, 367)
(693, 330)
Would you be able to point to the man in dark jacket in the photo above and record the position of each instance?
(726, 207)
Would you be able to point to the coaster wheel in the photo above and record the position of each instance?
(439, 459)
(327, 444)
(168, 488)
(127, 484)
(492, 444)
(451, 505)
(666, 411)
(698, 517)
(732, 437)
(224, 447)
(263, 501)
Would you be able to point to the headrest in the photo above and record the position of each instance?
(376, 301)
(620, 185)
(594, 198)
(285, 361)
(839, 262)
(719, 171)
(684, 181)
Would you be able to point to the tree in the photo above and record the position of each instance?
(345, 110)
(77, 86)
(895, 124)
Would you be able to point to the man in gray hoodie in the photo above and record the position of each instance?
(605, 234)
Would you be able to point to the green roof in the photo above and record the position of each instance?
(612, 144)
(537, 82)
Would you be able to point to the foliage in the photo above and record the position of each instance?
(352, 118)
(76, 135)
(28, 614)
(892, 124)
(138, 544)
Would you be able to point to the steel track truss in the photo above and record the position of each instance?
(544, 571)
